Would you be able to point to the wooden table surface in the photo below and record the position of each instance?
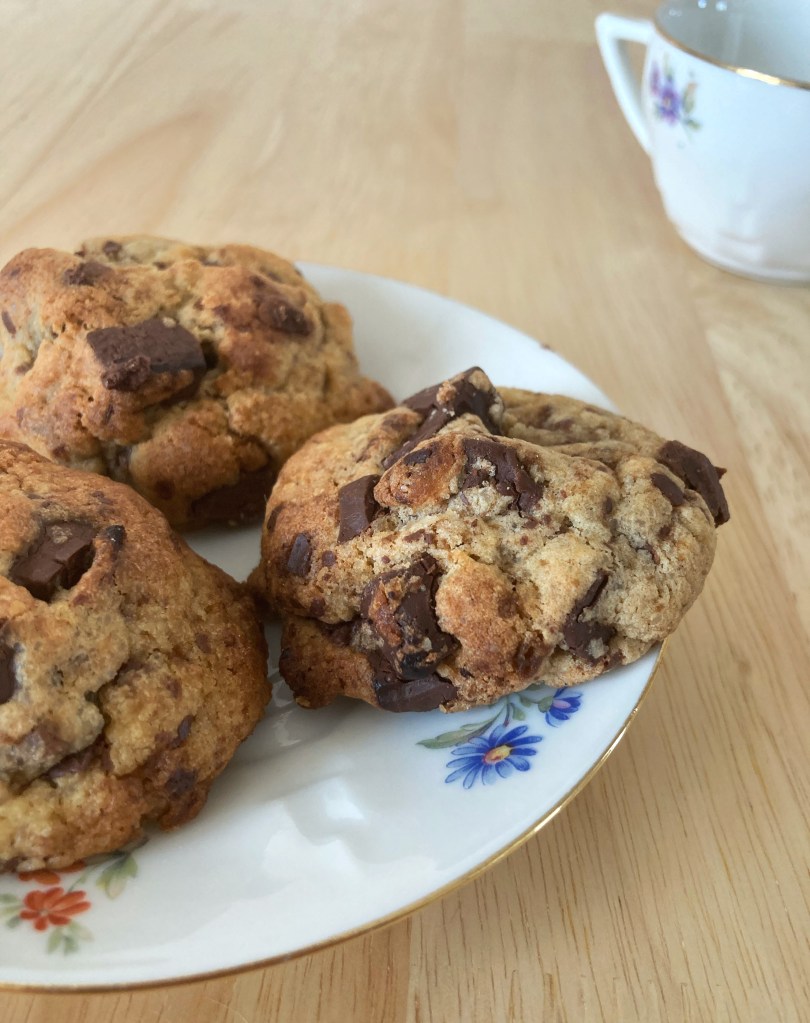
(474, 147)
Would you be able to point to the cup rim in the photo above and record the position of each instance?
(745, 72)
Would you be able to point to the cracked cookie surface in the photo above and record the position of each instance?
(470, 542)
(130, 669)
(189, 372)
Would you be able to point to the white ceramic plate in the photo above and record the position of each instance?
(329, 822)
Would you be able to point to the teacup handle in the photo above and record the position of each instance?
(613, 33)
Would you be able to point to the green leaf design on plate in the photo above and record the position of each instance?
(469, 731)
(113, 879)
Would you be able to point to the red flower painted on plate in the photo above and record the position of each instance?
(53, 907)
(49, 876)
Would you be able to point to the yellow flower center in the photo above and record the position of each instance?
(497, 754)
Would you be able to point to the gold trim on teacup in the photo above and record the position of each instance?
(746, 72)
(371, 925)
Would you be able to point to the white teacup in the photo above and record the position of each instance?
(723, 109)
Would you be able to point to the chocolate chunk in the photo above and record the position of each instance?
(9, 323)
(418, 457)
(59, 558)
(8, 680)
(76, 763)
(115, 534)
(698, 473)
(243, 501)
(671, 491)
(469, 398)
(400, 608)
(510, 478)
(436, 419)
(272, 518)
(184, 728)
(328, 558)
(423, 401)
(419, 694)
(340, 633)
(111, 249)
(578, 633)
(129, 356)
(87, 274)
(180, 782)
(464, 397)
(281, 315)
(530, 655)
(357, 507)
(202, 642)
(300, 555)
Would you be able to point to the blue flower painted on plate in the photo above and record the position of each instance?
(496, 747)
(492, 756)
(564, 703)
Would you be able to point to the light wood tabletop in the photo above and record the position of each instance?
(475, 148)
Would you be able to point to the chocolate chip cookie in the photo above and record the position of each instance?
(189, 372)
(471, 542)
(130, 669)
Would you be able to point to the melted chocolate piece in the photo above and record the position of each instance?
(88, 274)
(578, 634)
(510, 478)
(59, 558)
(8, 680)
(419, 694)
(243, 501)
(9, 323)
(111, 249)
(357, 507)
(698, 473)
(300, 555)
(400, 608)
(671, 491)
(129, 356)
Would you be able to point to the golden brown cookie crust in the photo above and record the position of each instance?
(189, 372)
(471, 542)
(130, 669)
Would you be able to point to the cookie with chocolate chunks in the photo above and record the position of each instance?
(189, 372)
(472, 541)
(130, 669)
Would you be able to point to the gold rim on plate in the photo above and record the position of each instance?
(372, 925)
(746, 72)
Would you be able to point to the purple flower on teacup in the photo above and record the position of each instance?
(670, 104)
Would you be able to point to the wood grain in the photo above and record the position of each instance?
(475, 148)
